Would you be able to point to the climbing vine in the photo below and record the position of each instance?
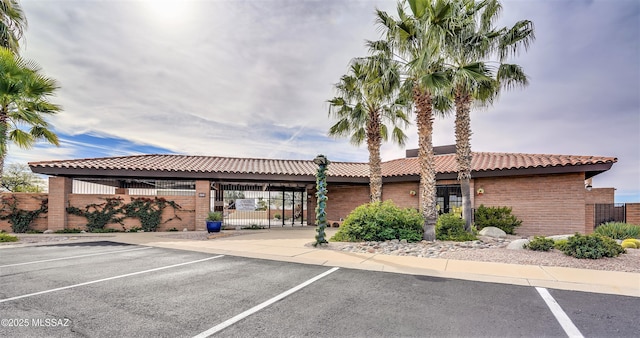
(98, 215)
(114, 210)
(321, 194)
(20, 219)
(149, 211)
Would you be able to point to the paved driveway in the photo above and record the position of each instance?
(104, 289)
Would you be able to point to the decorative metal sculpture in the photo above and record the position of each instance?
(321, 195)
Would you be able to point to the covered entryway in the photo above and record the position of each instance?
(260, 205)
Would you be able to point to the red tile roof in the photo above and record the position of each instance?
(208, 164)
(482, 162)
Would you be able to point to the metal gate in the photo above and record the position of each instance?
(259, 205)
(604, 213)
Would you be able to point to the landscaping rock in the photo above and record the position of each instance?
(559, 237)
(48, 231)
(517, 244)
(185, 230)
(493, 232)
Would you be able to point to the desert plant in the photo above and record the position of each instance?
(499, 217)
(592, 246)
(173, 229)
(631, 243)
(617, 230)
(450, 227)
(277, 216)
(540, 243)
(7, 238)
(380, 221)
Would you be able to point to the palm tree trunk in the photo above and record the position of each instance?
(374, 141)
(463, 152)
(424, 120)
(3, 139)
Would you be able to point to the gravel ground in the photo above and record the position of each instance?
(484, 250)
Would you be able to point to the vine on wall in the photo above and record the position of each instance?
(20, 219)
(114, 210)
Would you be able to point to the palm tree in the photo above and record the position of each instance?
(24, 93)
(369, 100)
(12, 24)
(416, 39)
(471, 43)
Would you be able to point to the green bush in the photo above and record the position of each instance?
(499, 217)
(7, 238)
(68, 231)
(618, 230)
(592, 246)
(560, 244)
(380, 221)
(450, 227)
(540, 243)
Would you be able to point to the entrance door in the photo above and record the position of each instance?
(449, 199)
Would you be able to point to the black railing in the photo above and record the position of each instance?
(603, 213)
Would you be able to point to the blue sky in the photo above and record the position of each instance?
(251, 79)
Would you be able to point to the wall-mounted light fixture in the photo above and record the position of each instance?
(480, 191)
(588, 187)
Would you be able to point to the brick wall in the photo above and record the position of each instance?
(633, 213)
(59, 190)
(546, 204)
(399, 194)
(186, 213)
(599, 196)
(27, 201)
(343, 199)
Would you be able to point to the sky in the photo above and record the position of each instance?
(252, 79)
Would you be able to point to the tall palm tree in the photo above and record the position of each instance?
(369, 102)
(416, 38)
(471, 47)
(24, 104)
(12, 24)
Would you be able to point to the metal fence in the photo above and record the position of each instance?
(262, 205)
(603, 213)
(148, 187)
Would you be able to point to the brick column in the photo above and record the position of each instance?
(59, 191)
(203, 204)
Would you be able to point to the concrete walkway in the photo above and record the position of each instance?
(291, 245)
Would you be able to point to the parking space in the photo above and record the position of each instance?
(106, 290)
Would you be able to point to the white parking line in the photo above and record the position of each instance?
(261, 306)
(72, 257)
(107, 279)
(567, 325)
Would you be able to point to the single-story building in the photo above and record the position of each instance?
(551, 194)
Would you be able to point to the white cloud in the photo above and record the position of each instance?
(252, 78)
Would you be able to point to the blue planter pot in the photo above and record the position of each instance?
(214, 226)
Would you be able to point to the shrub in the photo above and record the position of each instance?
(68, 231)
(592, 246)
(499, 217)
(618, 230)
(450, 227)
(539, 243)
(380, 221)
(7, 238)
(635, 243)
(560, 244)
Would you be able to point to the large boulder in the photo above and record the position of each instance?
(492, 232)
(517, 244)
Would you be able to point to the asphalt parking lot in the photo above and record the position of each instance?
(105, 289)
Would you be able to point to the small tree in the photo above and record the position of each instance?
(321, 195)
(18, 178)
